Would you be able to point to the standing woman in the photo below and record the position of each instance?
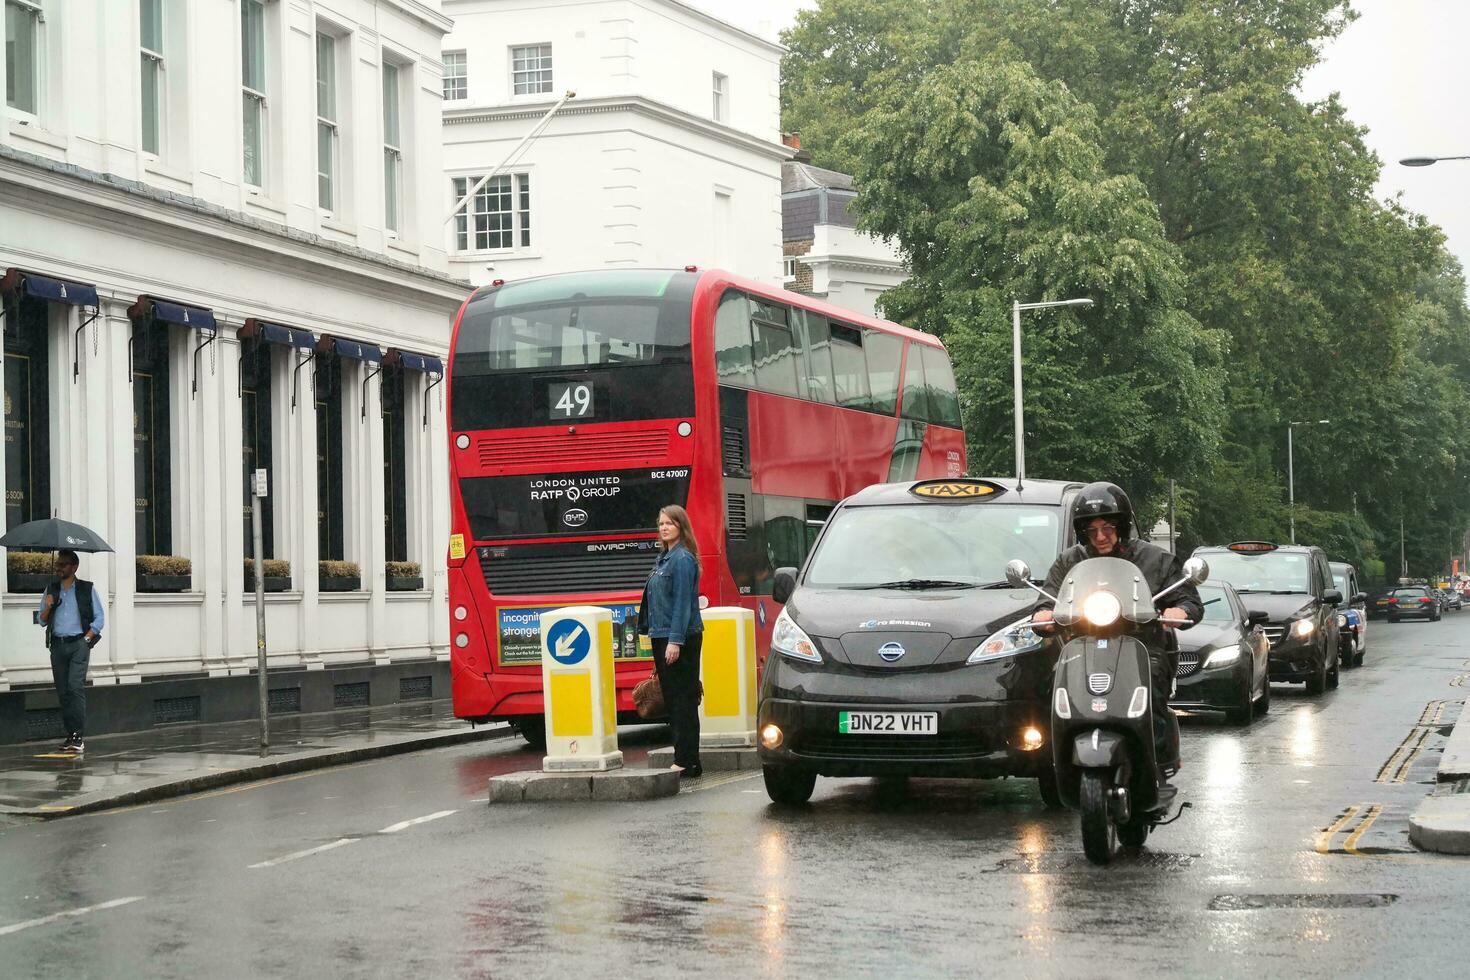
(669, 616)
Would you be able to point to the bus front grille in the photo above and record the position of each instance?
(608, 571)
(515, 449)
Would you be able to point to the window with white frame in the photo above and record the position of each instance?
(788, 269)
(392, 149)
(23, 56)
(150, 43)
(456, 76)
(499, 215)
(720, 111)
(530, 69)
(252, 85)
(327, 141)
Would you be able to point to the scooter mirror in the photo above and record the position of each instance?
(1018, 573)
(1196, 570)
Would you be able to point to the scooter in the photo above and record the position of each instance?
(1101, 724)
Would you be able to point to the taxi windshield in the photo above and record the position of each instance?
(1274, 571)
(964, 544)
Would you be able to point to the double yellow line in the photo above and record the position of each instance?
(1365, 813)
(1396, 769)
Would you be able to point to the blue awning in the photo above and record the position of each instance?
(165, 312)
(419, 362)
(357, 350)
(48, 288)
(275, 333)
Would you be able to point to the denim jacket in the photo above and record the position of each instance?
(670, 606)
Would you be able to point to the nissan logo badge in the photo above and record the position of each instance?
(575, 517)
(891, 651)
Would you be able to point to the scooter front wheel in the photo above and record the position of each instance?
(1099, 832)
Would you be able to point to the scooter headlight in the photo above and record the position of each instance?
(1016, 638)
(1101, 609)
(791, 640)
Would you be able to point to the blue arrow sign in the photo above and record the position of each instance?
(568, 642)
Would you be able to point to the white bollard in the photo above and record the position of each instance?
(578, 687)
(727, 669)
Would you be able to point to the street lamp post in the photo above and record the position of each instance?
(1016, 308)
(1426, 161)
(1291, 472)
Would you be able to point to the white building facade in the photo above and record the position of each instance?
(669, 155)
(221, 233)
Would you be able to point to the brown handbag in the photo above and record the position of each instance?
(648, 699)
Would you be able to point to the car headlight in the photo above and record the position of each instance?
(1304, 627)
(1007, 642)
(1101, 608)
(791, 640)
(1223, 656)
(1341, 620)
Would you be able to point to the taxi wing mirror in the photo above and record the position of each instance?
(1332, 597)
(1256, 617)
(783, 585)
(1359, 597)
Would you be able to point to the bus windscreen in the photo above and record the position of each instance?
(590, 347)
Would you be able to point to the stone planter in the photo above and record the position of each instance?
(27, 581)
(273, 583)
(344, 583)
(164, 583)
(405, 583)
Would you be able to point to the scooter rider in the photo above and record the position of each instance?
(1102, 517)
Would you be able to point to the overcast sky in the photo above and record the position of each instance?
(1403, 69)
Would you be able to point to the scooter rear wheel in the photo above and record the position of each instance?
(1099, 833)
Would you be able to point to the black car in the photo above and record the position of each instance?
(903, 651)
(1412, 602)
(1293, 586)
(1352, 615)
(1223, 659)
(1378, 603)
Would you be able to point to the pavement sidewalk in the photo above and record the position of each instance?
(1442, 821)
(136, 767)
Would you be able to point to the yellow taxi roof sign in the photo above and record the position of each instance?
(956, 489)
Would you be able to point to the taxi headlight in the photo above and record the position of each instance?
(791, 640)
(1304, 627)
(1341, 620)
(1008, 641)
(1101, 608)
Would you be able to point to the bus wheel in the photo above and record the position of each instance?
(532, 728)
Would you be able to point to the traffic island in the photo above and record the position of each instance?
(1441, 823)
(710, 760)
(617, 785)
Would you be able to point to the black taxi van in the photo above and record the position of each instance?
(902, 650)
(1292, 585)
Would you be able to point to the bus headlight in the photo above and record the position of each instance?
(1304, 628)
(791, 640)
(1101, 608)
(1016, 638)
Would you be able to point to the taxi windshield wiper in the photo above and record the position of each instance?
(922, 583)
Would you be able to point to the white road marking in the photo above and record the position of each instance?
(54, 917)
(416, 820)
(306, 853)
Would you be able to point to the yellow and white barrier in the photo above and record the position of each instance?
(577, 678)
(727, 668)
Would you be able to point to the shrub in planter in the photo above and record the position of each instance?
(277, 575)
(29, 571)
(404, 576)
(164, 573)
(338, 576)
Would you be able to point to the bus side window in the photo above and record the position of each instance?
(774, 348)
(816, 346)
(915, 404)
(816, 517)
(944, 399)
(884, 352)
(733, 363)
(849, 369)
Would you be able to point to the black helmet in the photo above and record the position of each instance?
(1102, 500)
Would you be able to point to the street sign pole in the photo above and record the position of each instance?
(257, 537)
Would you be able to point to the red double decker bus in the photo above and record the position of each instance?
(579, 404)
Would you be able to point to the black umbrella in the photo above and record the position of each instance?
(54, 534)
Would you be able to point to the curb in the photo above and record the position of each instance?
(168, 787)
(1441, 821)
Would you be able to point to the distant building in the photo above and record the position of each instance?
(669, 155)
(824, 253)
(221, 236)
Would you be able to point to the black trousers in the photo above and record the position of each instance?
(680, 683)
(1162, 666)
(69, 673)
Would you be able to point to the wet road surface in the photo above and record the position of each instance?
(1294, 861)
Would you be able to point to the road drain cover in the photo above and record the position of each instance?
(1239, 903)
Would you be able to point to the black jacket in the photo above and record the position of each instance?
(1159, 567)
